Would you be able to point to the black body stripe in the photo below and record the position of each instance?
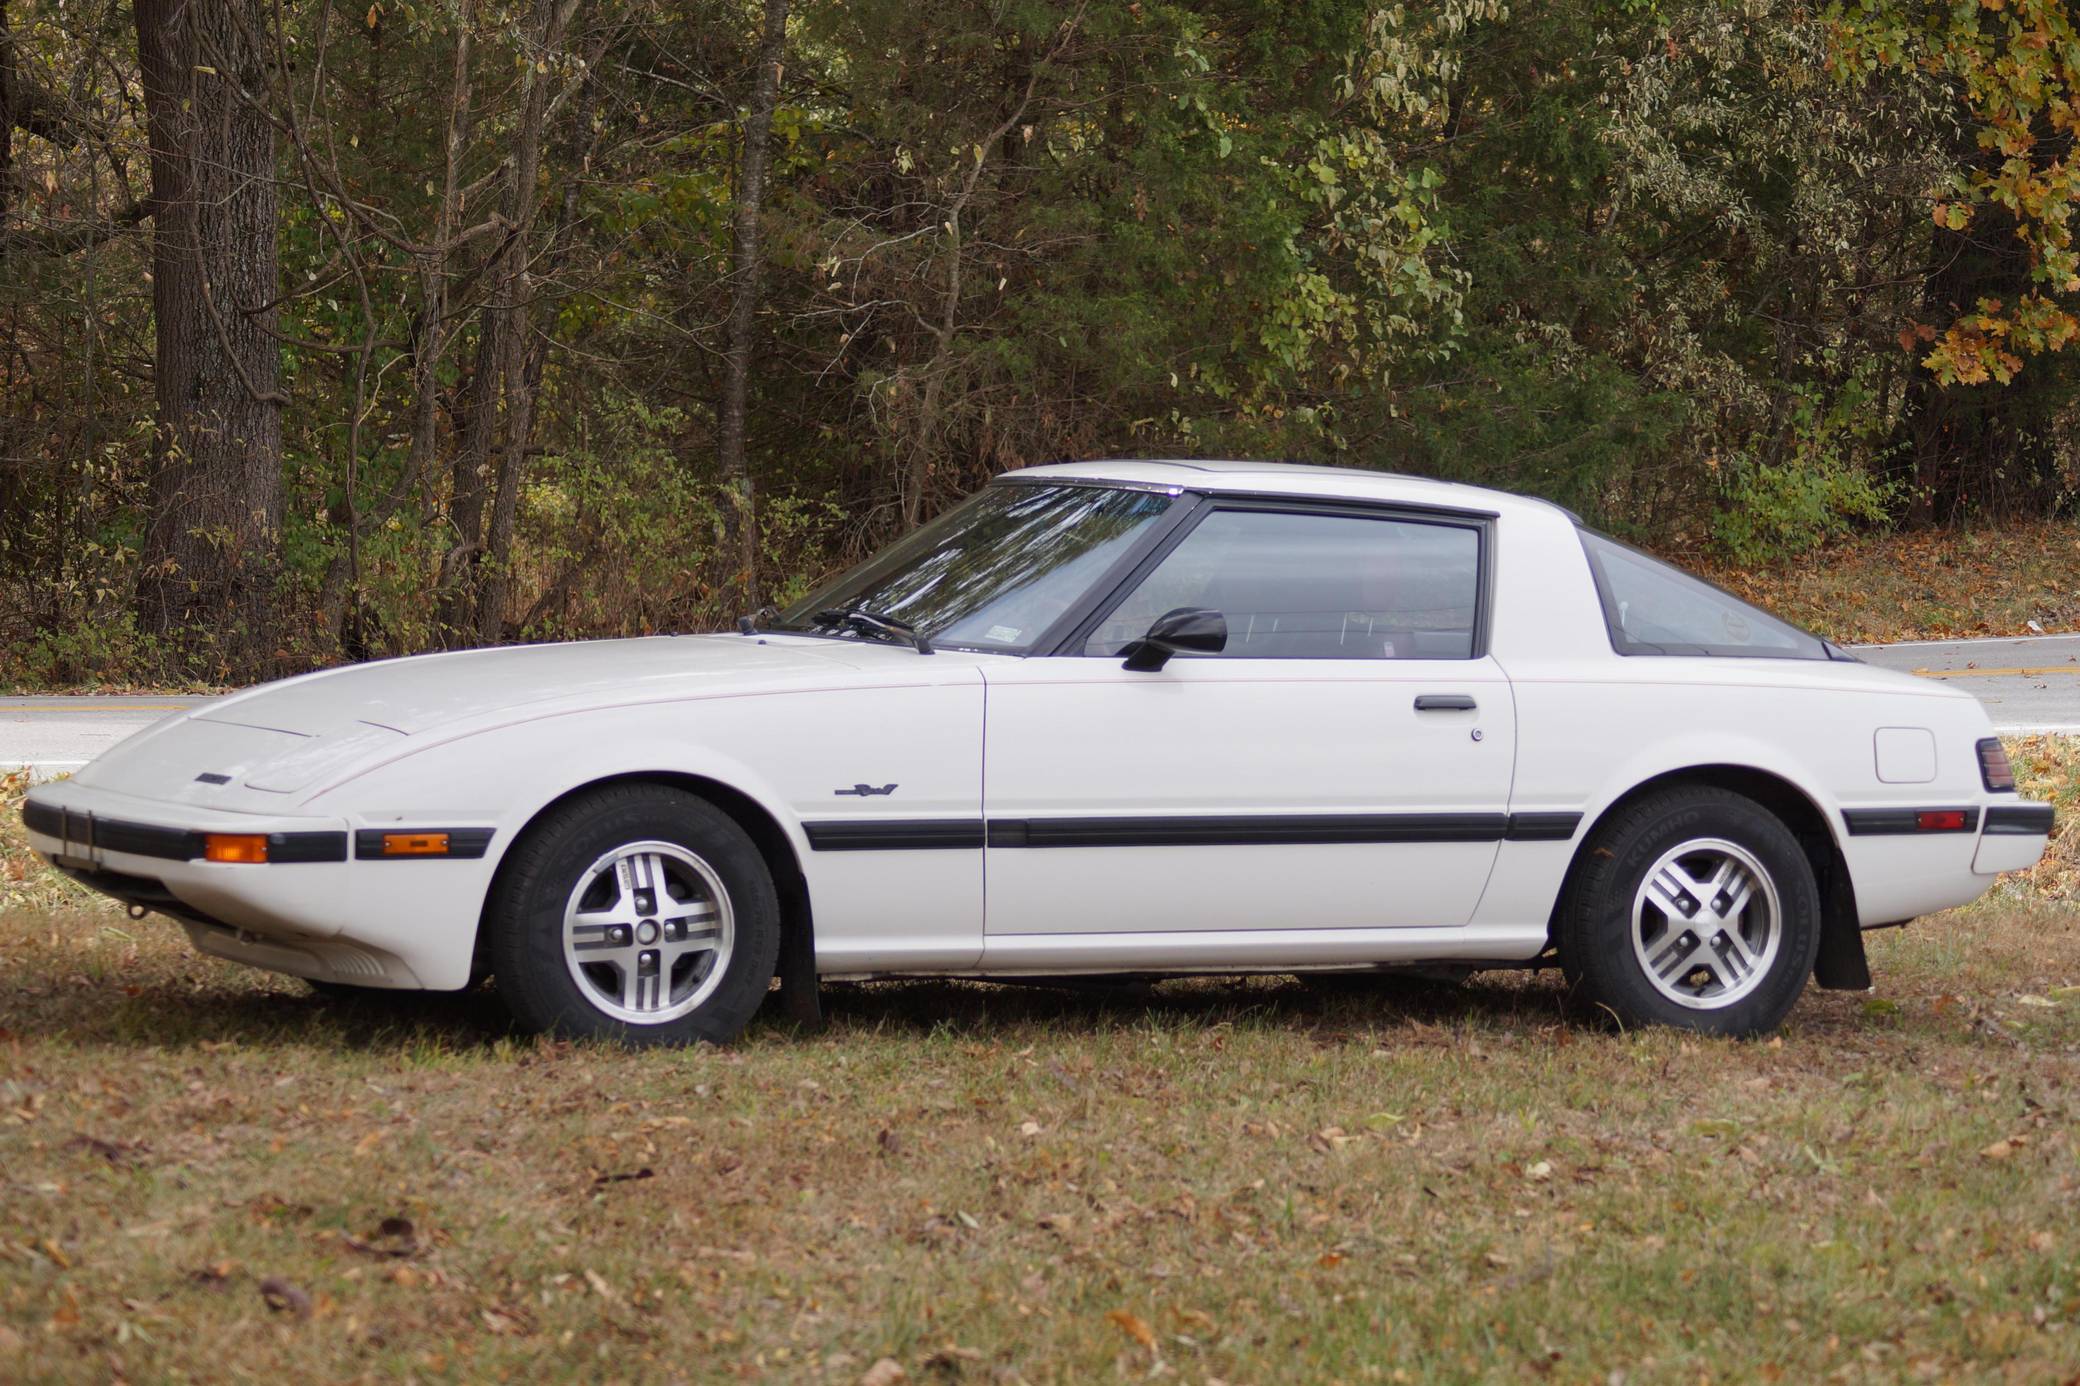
(1237, 830)
(894, 835)
(1244, 830)
(1542, 827)
(2021, 820)
(1888, 822)
(303, 847)
(42, 818)
(169, 844)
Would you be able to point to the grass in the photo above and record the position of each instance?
(207, 1173)
(1934, 584)
(1242, 1181)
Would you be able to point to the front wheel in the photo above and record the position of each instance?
(637, 913)
(1694, 908)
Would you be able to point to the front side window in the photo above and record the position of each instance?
(1653, 609)
(997, 570)
(1311, 586)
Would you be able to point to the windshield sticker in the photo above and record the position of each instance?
(1003, 635)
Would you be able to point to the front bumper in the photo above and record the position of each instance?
(312, 909)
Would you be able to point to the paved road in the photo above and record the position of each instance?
(2030, 684)
(54, 736)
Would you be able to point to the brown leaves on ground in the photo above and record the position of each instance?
(1234, 1180)
(1923, 585)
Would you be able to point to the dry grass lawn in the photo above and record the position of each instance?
(209, 1174)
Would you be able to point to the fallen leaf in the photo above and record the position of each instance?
(1540, 1172)
(598, 1283)
(2004, 1147)
(886, 1372)
(1134, 1326)
(285, 1296)
(213, 1275)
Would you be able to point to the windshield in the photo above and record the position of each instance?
(994, 572)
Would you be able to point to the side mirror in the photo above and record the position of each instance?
(1187, 630)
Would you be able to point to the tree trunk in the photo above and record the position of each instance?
(213, 525)
(500, 380)
(7, 84)
(747, 270)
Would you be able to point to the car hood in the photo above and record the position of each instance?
(282, 737)
(427, 691)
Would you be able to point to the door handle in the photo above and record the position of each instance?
(1446, 702)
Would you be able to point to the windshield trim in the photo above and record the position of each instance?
(1182, 503)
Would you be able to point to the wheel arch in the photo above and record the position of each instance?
(797, 922)
(1840, 965)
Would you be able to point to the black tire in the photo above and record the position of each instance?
(1596, 926)
(525, 918)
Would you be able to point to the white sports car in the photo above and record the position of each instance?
(1130, 717)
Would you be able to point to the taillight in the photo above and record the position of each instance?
(1994, 769)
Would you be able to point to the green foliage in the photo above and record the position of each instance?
(1817, 492)
(1681, 265)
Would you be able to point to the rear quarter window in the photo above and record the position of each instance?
(1654, 609)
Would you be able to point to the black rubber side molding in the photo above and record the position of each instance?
(1889, 822)
(1198, 830)
(464, 844)
(895, 835)
(2020, 820)
(168, 844)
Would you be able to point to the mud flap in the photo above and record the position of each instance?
(800, 999)
(1841, 965)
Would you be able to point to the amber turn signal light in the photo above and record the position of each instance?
(246, 847)
(415, 844)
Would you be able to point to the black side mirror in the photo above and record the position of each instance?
(1187, 630)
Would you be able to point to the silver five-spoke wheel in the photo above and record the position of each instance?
(647, 932)
(1706, 923)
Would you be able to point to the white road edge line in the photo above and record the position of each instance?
(1968, 640)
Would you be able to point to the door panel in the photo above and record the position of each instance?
(1241, 793)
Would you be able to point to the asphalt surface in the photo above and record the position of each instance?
(2028, 685)
(55, 736)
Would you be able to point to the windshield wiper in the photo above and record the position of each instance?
(859, 618)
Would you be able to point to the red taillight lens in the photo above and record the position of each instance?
(1994, 769)
(1940, 820)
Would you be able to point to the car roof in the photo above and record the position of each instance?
(1289, 479)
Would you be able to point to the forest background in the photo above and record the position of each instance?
(339, 330)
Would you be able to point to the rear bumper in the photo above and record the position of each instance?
(1911, 859)
(2013, 837)
(311, 909)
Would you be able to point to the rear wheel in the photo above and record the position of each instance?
(637, 913)
(1695, 908)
